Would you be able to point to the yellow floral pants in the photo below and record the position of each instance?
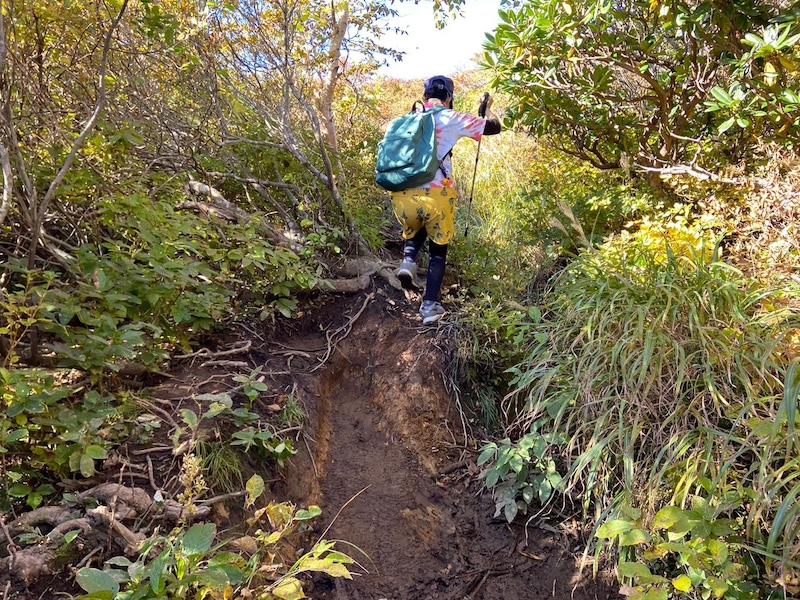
(431, 208)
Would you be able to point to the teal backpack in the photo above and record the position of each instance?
(407, 154)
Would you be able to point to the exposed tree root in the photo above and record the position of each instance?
(100, 524)
(206, 353)
(111, 493)
(48, 515)
(356, 276)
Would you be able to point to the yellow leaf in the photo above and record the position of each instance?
(682, 583)
(787, 64)
(288, 589)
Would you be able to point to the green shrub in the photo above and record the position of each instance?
(48, 429)
(661, 369)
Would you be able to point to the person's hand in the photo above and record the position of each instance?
(486, 102)
(489, 102)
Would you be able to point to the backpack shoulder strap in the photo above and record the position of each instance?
(436, 109)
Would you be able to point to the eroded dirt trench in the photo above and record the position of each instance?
(389, 466)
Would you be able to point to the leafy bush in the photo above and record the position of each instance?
(686, 552)
(649, 84)
(48, 429)
(520, 470)
(187, 564)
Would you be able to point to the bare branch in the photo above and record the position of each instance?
(254, 181)
(39, 211)
(8, 183)
(329, 86)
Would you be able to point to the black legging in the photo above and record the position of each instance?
(437, 264)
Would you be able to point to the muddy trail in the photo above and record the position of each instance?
(383, 453)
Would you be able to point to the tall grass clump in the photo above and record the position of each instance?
(659, 374)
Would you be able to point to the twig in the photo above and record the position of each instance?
(151, 450)
(205, 352)
(88, 557)
(324, 533)
(211, 379)
(224, 497)
(289, 430)
(39, 212)
(226, 363)
(12, 547)
(297, 352)
(159, 411)
(478, 587)
(453, 467)
(150, 473)
(7, 590)
(311, 456)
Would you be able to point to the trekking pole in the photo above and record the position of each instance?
(481, 113)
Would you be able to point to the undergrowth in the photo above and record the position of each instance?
(659, 392)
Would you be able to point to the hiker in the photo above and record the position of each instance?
(429, 210)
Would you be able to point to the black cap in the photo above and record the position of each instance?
(439, 87)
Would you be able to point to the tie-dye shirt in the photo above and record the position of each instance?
(450, 127)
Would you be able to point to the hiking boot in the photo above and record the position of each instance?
(407, 274)
(430, 312)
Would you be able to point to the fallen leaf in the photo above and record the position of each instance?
(246, 544)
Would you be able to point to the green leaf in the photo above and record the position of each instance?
(658, 593)
(718, 551)
(672, 518)
(491, 478)
(612, 529)
(96, 452)
(726, 125)
(632, 569)
(718, 586)
(527, 495)
(328, 565)
(70, 536)
(305, 515)
(682, 583)
(634, 537)
(87, 465)
(487, 454)
(545, 491)
(198, 539)
(510, 510)
(19, 490)
(95, 580)
(255, 487)
(190, 418)
(17, 435)
(721, 96)
(753, 39)
(214, 578)
(156, 572)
